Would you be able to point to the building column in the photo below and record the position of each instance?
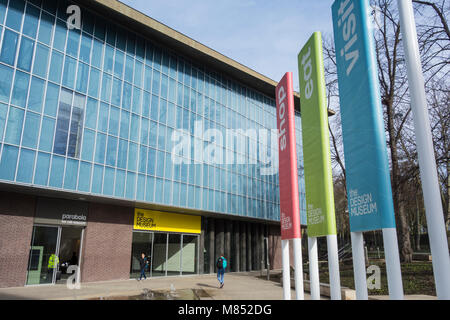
(236, 248)
(249, 246)
(201, 258)
(211, 244)
(242, 236)
(220, 239)
(255, 262)
(262, 265)
(228, 225)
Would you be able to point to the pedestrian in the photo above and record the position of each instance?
(143, 261)
(221, 265)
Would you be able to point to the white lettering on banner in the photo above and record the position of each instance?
(281, 114)
(307, 71)
(348, 19)
(286, 222)
(315, 215)
(361, 204)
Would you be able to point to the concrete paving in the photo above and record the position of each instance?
(238, 286)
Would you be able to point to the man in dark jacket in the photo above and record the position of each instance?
(143, 261)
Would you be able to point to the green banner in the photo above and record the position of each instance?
(316, 145)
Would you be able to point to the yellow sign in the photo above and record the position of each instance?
(164, 221)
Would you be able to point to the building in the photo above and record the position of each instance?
(127, 137)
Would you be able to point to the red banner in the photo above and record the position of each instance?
(287, 154)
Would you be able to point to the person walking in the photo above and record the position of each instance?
(221, 265)
(143, 261)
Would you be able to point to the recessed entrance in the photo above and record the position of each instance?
(54, 252)
(169, 253)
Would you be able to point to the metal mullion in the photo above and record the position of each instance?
(58, 244)
(29, 255)
(167, 250)
(181, 254)
(151, 254)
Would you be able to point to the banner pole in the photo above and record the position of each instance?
(333, 267)
(359, 265)
(286, 271)
(393, 269)
(314, 281)
(298, 269)
(425, 151)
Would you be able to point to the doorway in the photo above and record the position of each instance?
(53, 250)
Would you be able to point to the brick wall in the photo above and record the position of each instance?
(107, 243)
(16, 228)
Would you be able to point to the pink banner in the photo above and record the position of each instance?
(288, 175)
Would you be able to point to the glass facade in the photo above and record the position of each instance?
(98, 111)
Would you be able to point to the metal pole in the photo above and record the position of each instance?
(298, 269)
(359, 265)
(333, 267)
(314, 282)
(394, 272)
(427, 161)
(286, 271)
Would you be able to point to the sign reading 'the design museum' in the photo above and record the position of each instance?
(368, 182)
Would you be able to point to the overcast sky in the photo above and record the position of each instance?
(263, 35)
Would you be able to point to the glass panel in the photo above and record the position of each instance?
(20, 89)
(25, 54)
(15, 12)
(85, 177)
(69, 72)
(85, 49)
(6, 75)
(97, 179)
(51, 99)
(26, 166)
(3, 112)
(97, 53)
(72, 43)
(57, 172)
(94, 82)
(71, 174)
(108, 183)
(31, 130)
(45, 28)
(14, 126)
(141, 243)
(42, 259)
(8, 162)
(3, 5)
(47, 131)
(189, 261)
(41, 61)
(120, 183)
(62, 125)
(36, 94)
(10, 41)
(159, 254)
(174, 254)
(82, 77)
(76, 126)
(131, 185)
(56, 67)
(42, 169)
(59, 41)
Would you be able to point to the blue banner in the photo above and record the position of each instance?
(368, 181)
